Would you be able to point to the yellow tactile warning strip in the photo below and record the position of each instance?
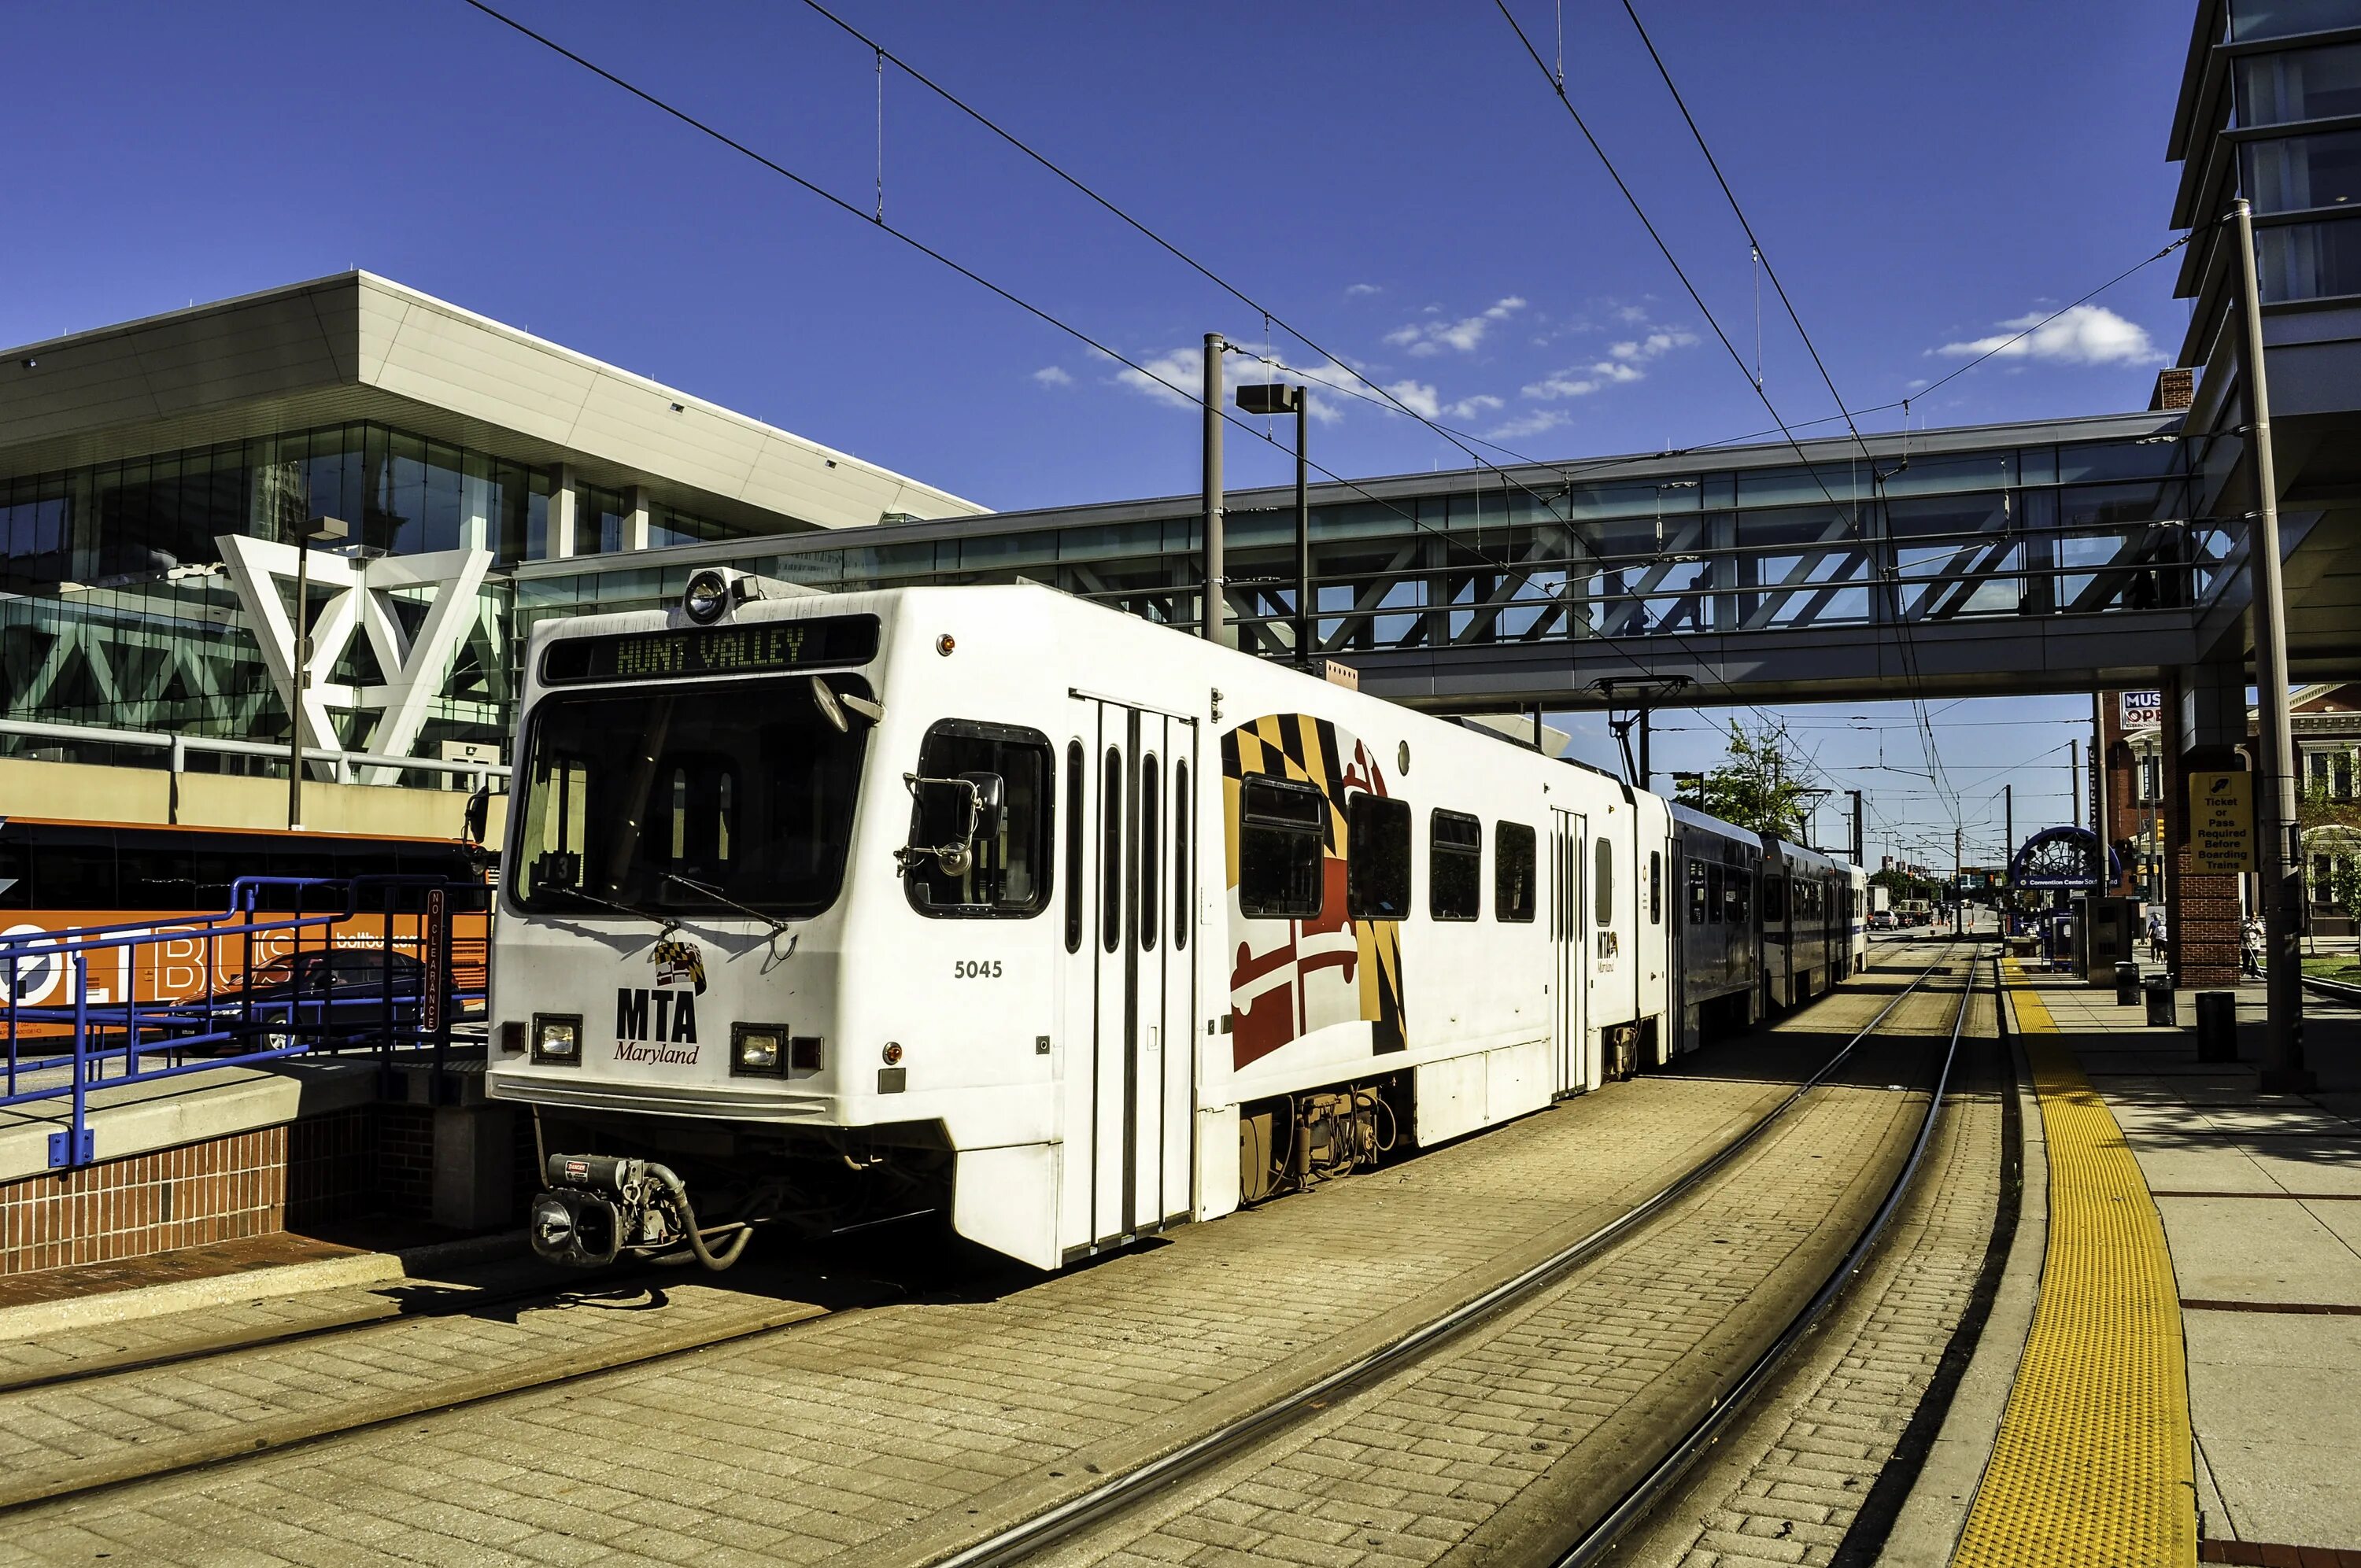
(2092, 1465)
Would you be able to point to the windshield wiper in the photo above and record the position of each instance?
(667, 922)
(714, 894)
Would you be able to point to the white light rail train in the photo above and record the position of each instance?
(820, 910)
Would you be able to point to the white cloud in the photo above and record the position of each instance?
(1359, 290)
(1419, 398)
(1165, 375)
(1622, 365)
(1052, 375)
(2083, 334)
(1426, 338)
(1532, 423)
(1481, 403)
(1631, 315)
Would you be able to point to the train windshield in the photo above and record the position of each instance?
(706, 799)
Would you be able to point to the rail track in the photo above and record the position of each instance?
(1117, 1495)
(538, 1365)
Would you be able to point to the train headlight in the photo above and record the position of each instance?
(758, 1050)
(708, 596)
(557, 1039)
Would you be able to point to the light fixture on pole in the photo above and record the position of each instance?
(321, 529)
(1277, 398)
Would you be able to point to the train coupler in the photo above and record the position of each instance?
(597, 1207)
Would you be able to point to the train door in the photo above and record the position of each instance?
(1570, 977)
(1131, 1099)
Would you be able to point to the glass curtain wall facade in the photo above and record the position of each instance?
(2295, 110)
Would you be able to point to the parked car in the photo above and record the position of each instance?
(1881, 920)
(338, 995)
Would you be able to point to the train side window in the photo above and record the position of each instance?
(1775, 899)
(1738, 889)
(1376, 844)
(1282, 826)
(1713, 875)
(1151, 823)
(1513, 858)
(1655, 887)
(1455, 866)
(1111, 852)
(1009, 874)
(1181, 879)
(1603, 881)
(1697, 891)
(1074, 841)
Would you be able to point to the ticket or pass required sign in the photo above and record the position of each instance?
(2221, 822)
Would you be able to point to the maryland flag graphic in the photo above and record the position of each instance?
(679, 963)
(1291, 977)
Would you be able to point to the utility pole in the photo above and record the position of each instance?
(1858, 848)
(2007, 854)
(1647, 778)
(1304, 622)
(2275, 829)
(2074, 776)
(1216, 604)
(1959, 865)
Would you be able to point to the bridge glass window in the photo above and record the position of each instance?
(1377, 846)
(1282, 828)
(1514, 858)
(2286, 174)
(1455, 866)
(1713, 894)
(697, 799)
(1698, 891)
(1008, 871)
(1074, 845)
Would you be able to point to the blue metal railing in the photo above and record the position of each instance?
(294, 1000)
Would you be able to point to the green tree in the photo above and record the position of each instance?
(2329, 827)
(1754, 785)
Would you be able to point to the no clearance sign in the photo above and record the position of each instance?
(2221, 822)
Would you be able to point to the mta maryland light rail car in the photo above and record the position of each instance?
(825, 909)
(1717, 946)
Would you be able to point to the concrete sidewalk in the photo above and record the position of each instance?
(2260, 1196)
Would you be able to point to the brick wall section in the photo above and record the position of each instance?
(331, 1166)
(405, 1158)
(222, 1189)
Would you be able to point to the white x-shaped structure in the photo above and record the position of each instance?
(358, 606)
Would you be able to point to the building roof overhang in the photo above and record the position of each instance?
(357, 346)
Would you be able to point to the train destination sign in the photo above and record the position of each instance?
(755, 647)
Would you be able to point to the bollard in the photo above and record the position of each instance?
(2160, 1011)
(2217, 1025)
(2128, 990)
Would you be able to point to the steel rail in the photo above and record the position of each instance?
(1636, 1504)
(1120, 1492)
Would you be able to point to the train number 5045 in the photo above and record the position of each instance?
(976, 969)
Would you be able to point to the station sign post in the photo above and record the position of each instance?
(2222, 821)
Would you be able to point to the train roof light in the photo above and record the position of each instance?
(706, 597)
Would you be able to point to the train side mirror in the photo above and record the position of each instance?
(990, 809)
(943, 820)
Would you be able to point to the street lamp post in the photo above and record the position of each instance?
(299, 656)
(1277, 398)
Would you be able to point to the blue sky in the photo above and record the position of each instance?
(1396, 179)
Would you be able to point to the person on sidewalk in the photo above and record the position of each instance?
(2156, 936)
(2250, 948)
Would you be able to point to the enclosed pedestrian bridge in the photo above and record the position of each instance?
(2067, 555)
